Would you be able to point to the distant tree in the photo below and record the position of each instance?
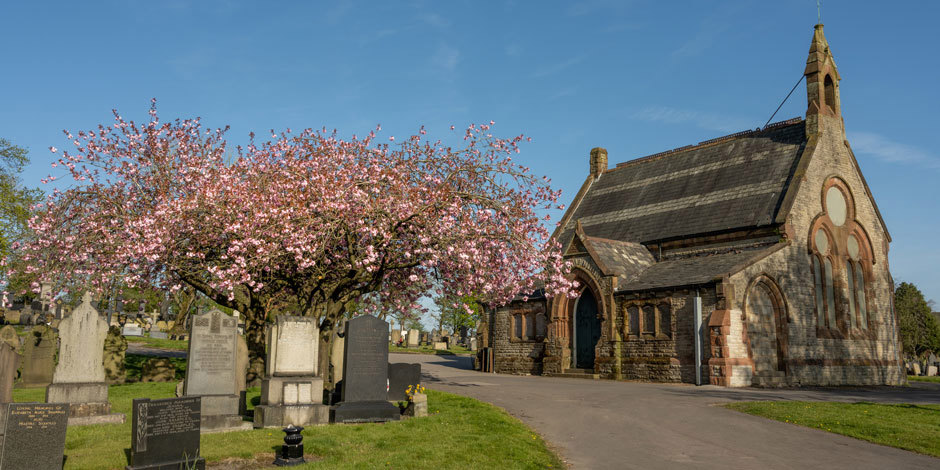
(456, 312)
(918, 327)
(308, 220)
(16, 203)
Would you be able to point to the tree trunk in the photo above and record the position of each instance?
(255, 338)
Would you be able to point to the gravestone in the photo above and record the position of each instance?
(165, 434)
(159, 334)
(291, 392)
(931, 371)
(425, 337)
(473, 343)
(400, 376)
(34, 436)
(132, 329)
(365, 373)
(8, 335)
(396, 336)
(436, 336)
(12, 317)
(440, 346)
(38, 357)
(115, 348)
(79, 378)
(413, 338)
(157, 369)
(210, 371)
(9, 362)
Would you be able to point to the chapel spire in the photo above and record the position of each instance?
(822, 83)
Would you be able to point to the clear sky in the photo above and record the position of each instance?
(634, 77)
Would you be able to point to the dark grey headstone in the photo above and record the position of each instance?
(34, 436)
(165, 434)
(400, 376)
(365, 373)
(365, 360)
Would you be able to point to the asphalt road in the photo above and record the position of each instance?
(621, 425)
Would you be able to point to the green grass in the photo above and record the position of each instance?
(159, 343)
(459, 433)
(922, 378)
(429, 350)
(909, 427)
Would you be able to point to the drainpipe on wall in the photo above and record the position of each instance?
(697, 308)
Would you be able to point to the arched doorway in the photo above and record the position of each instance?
(587, 330)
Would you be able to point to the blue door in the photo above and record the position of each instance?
(587, 330)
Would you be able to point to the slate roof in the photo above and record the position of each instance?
(696, 270)
(732, 182)
(624, 259)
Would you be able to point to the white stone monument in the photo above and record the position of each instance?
(79, 376)
(291, 392)
(413, 337)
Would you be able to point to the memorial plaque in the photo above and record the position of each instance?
(34, 436)
(211, 361)
(365, 361)
(165, 434)
(400, 376)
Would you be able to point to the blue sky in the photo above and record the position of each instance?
(634, 77)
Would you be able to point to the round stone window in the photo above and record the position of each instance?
(852, 246)
(822, 242)
(835, 206)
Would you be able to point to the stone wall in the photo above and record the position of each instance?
(514, 355)
(667, 358)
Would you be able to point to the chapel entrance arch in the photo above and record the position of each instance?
(587, 329)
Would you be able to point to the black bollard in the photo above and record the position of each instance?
(292, 452)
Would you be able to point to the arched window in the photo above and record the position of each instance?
(857, 281)
(822, 277)
(830, 91)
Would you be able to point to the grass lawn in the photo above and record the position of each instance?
(429, 350)
(159, 343)
(923, 378)
(909, 427)
(459, 433)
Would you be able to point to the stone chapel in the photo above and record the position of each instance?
(759, 256)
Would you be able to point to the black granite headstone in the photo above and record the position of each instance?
(365, 373)
(165, 434)
(400, 376)
(34, 436)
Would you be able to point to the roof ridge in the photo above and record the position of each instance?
(716, 140)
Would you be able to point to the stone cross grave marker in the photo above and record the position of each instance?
(79, 378)
(210, 371)
(400, 376)
(365, 378)
(34, 436)
(165, 434)
(38, 357)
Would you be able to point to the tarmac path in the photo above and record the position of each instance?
(620, 425)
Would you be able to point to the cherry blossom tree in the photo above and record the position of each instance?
(303, 219)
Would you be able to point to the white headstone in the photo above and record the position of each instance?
(211, 362)
(81, 346)
(413, 337)
(293, 346)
